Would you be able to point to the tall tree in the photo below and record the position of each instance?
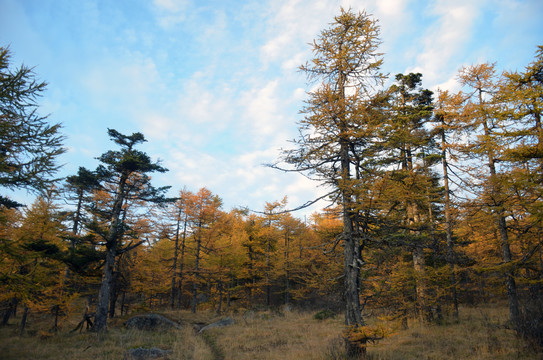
(124, 173)
(29, 145)
(180, 207)
(408, 149)
(446, 114)
(347, 63)
(204, 211)
(482, 117)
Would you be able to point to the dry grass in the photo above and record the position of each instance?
(266, 336)
(91, 346)
(479, 334)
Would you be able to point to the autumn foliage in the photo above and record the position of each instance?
(436, 200)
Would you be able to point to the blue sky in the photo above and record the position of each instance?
(214, 86)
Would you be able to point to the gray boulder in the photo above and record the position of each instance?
(223, 322)
(150, 322)
(144, 354)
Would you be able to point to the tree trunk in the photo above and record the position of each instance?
(181, 264)
(196, 274)
(495, 188)
(113, 237)
(114, 288)
(100, 323)
(448, 221)
(123, 304)
(174, 266)
(12, 306)
(510, 284)
(287, 280)
(420, 283)
(219, 285)
(23, 321)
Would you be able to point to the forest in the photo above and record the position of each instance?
(434, 202)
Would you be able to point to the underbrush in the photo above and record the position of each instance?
(480, 333)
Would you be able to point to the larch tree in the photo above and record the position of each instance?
(203, 213)
(521, 94)
(125, 173)
(271, 237)
(29, 145)
(347, 64)
(446, 114)
(180, 233)
(482, 117)
(40, 272)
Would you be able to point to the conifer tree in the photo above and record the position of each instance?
(124, 173)
(408, 148)
(347, 64)
(483, 119)
(29, 145)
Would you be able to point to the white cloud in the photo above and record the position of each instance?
(444, 39)
(171, 12)
(174, 6)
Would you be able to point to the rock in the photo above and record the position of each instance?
(144, 354)
(150, 322)
(223, 322)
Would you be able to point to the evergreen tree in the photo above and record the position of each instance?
(124, 174)
(29, 145)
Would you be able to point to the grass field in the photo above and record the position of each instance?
(479, 334)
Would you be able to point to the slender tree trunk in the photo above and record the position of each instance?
(181, 263)
(448, 221)
(77, 216)
(196, 274)
(287, 284)
(174, 266)
(57, 312)
(219, 285)
(268, 250)
(23, 321)
(419, 265)
(419, 262)
(510, 284)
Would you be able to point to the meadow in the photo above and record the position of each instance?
(480, 333)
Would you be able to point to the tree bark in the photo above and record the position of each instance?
(23, 321)
(174, 266)
(100, 323)
(448, 221)
(196, 273)
(510, 284)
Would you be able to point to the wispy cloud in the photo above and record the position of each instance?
(443, 41)
(171, 12)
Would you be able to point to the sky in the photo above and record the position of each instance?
(214, 84)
